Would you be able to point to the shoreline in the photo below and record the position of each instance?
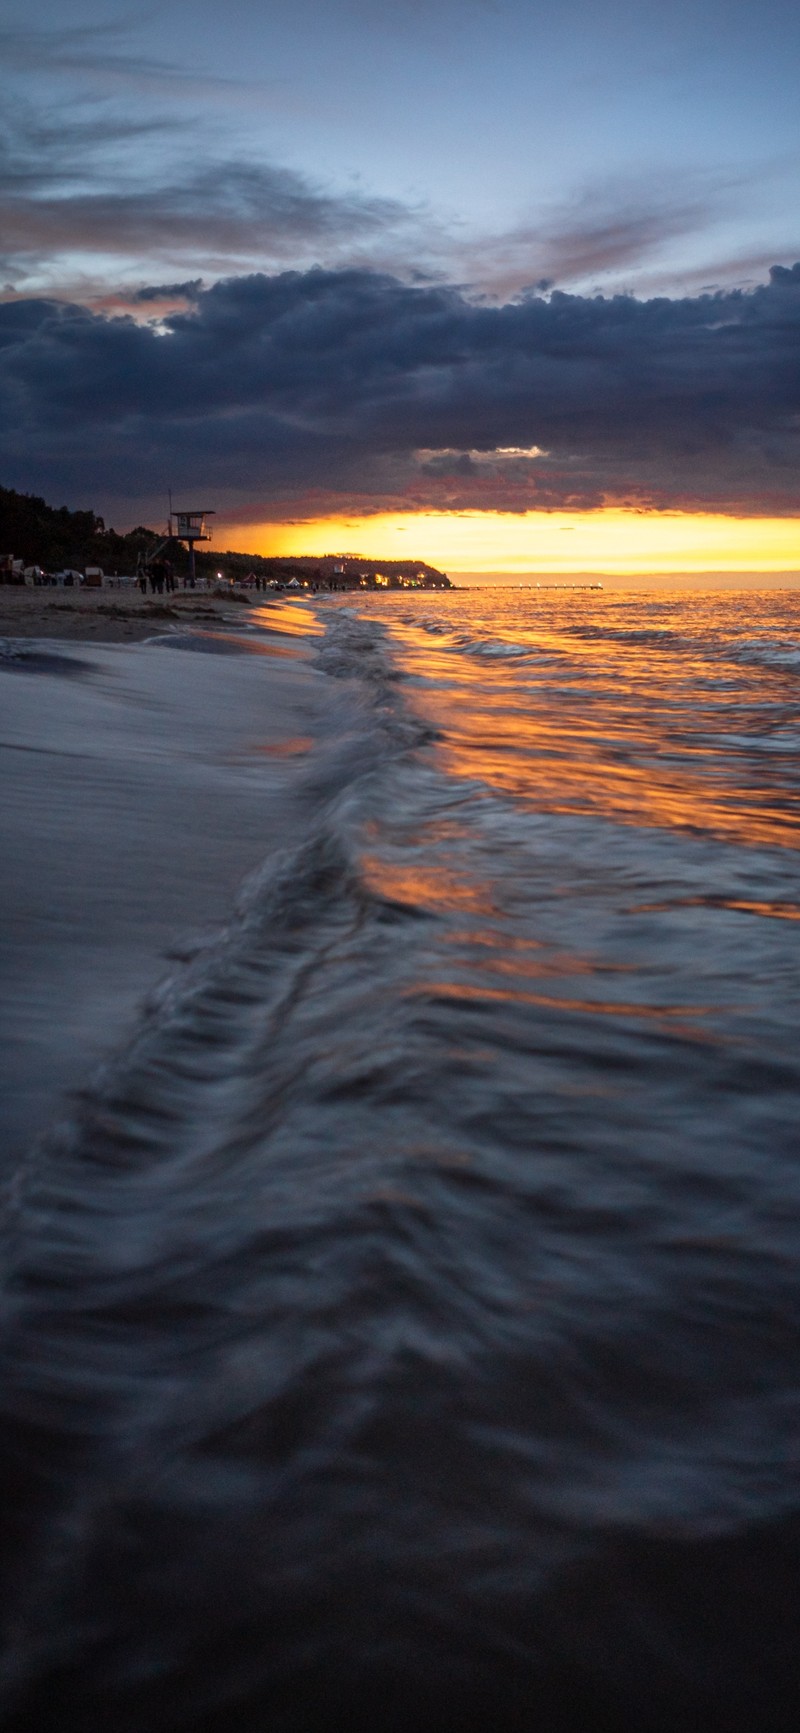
(142, 785)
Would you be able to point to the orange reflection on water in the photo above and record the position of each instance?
(292, 619)
(564, 766)
(624, 730)
(739, 905)
(499, 953)
(680, 1017)
(424, 885)
(288, 748)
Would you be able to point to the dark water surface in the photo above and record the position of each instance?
(404, 1331)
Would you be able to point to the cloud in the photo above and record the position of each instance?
(105, 190)
(68, 194)
(38, 156)
(168, 292)
(351, 391)
(73, 192)
(92, 50)
(80, 207)
(605, 229)
(223, 211)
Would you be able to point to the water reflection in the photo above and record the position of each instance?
(739, 905)
(688, 722)
(290, 619)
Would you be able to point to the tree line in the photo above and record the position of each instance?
(55, 538)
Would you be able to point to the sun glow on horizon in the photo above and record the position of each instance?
(612, 541)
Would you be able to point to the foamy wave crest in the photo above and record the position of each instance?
(771, 653)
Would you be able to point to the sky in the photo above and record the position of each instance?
(482, 279)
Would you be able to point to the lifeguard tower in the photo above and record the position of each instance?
(190, 527)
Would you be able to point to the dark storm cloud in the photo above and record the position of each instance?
(168, 292)
(349, 390)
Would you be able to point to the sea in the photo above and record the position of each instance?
(404, 1328)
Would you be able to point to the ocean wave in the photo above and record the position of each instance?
(499, 650)
(408, 1316)
(771, 653)
(28, 656)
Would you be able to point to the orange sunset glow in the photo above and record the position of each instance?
(611, 541)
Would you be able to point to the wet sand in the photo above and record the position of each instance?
(140, 786)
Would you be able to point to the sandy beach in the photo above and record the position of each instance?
(140, 786)
(106, 616)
